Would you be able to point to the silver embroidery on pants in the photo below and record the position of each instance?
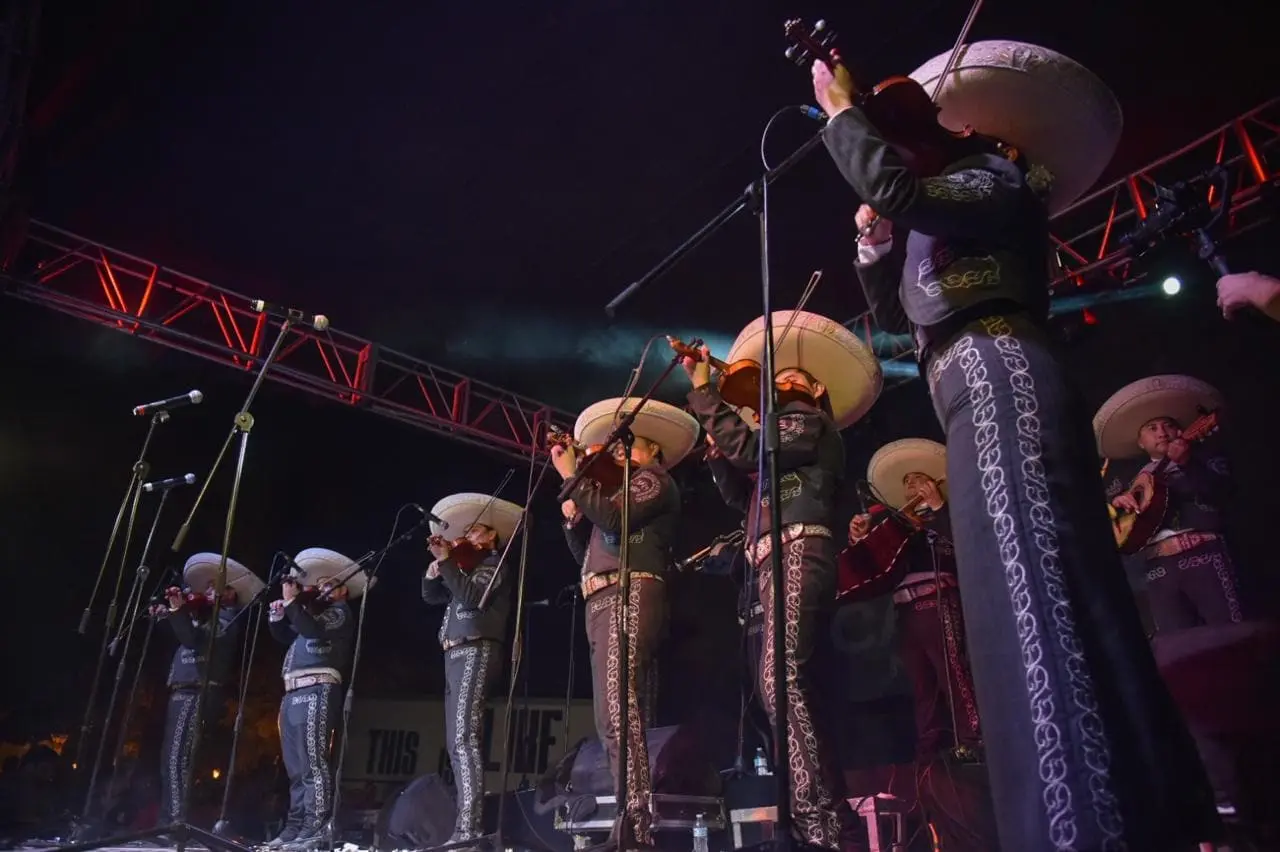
(468, 722)
(317, 740)
(179, 756)
(637, 768)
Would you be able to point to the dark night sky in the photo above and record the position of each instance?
(471, 185)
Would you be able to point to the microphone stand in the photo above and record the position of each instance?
(141, 470)
(181, 831)
(126, 632)
(222, 827)
(755, 199)
(622, 432)
(369, 564)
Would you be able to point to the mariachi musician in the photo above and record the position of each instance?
(960, 259)
(907, 476)
(314, 620)
(1191, 579)
(663, 436)
(187, 613)
(471, 635)
(826, 380)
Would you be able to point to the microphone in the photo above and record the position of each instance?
(171, 482)
(430, 517)
(813, 113)
(194, 397)
(317, 321)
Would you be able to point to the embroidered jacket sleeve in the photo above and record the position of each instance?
(647, 501)
(281, 630)
(434, 591)
(801, 432)
(189, 636)
(331, 623)
(578, 537)
(734, 485)
(467, 589)
(880, 273)
(975, 202)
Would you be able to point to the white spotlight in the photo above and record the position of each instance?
(1171, 286)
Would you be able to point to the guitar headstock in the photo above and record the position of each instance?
(1204, 426)
(806, 44)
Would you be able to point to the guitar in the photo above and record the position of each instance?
(1134, 531)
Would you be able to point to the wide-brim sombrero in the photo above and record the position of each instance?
(1121, 418)
(824, 349)
(202, 569)
(1055, 111)
(460, 511)
(671, 428)
(894, 461)
(320, 565)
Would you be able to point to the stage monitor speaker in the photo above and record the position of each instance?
(420, 815)
(678, 765)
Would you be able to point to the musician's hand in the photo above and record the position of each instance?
(881, 233)
(1248, 289)
(175, 597)
(1126, 503)
(288, 589)
(439, 548)
(569, 509)
(859, 526)
(1179, 451)
(277, 610)
(833, 89)
(160, 609)
(699, 371)
(566, 463)
(433, 570)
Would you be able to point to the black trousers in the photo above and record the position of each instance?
(471, 672)
(931, 642)
(175, 752)
(609, 676)
(1085, 748)
(1193, 588)
(308, 719)
(808, 566)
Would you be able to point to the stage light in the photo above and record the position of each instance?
(1171, 286)
(216, 774)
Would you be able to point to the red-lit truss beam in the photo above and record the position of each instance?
(85, 279)
(1087, 234)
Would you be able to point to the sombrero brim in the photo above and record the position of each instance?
(1058, 113)
(824, 349)
(320, 565)
(202, 569)
(894, 461)
(460, 511)
(1121, 418)
(671, 428)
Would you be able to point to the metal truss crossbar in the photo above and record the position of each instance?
(77, 276)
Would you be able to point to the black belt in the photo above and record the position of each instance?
(174, 687)
(931, 338)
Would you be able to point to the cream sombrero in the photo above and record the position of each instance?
(826, 350)
(202, 569)
(671, 428)
(895, 460)
(1055, 111)
(320, 565)
(1118, 421)
(460, 511)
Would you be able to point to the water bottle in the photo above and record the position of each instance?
(762, 763)
(700, 834)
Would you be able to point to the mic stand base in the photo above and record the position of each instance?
(179, 833)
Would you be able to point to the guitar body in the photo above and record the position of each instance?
(874, 566)
(1134, 532)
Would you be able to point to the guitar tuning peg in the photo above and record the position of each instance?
(819, 27)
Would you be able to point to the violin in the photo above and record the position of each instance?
(463, 553)
(739, 382)
(197, 605)
(606, 472)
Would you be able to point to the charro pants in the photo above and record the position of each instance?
(471, 671)
(610, 675)
(808, 566)
(931, 642)
(308, 719)
(1193, 588)
(1086, 749)
(175, 753)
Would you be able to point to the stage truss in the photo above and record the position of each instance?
(86, 279)
(1094, 266)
